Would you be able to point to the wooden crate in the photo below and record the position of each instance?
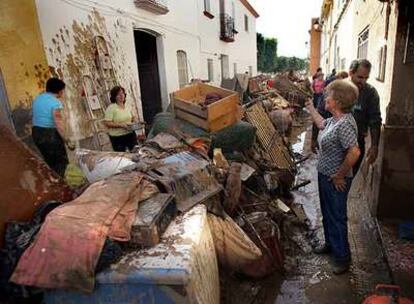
(214, 117)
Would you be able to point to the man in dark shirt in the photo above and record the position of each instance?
(366, 111)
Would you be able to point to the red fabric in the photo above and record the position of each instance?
(68, 246)
(271, 83)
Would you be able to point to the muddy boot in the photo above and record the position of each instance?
(321, 249)
(340, 268)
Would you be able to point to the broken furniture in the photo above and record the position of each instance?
(153, 217)
(182, 268)
(192, 104)
(187, 176)
(268, 137)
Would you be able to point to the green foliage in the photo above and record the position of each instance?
(266, 53)
(290, 63)
(268, 61)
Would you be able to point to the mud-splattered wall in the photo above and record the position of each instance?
(70, 27)
(22, 60)
(75, 42)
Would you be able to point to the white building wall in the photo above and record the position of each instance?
(359, 15)
(242, 51)
(66, 26)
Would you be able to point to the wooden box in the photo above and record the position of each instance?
(188, 105)
(153, 217)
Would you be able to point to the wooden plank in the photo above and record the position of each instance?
(191, 108)
(223, 122)
(222, 107)
(188, 93)
(205, 89)
(195, 120)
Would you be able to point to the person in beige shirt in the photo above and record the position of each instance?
(118, 120)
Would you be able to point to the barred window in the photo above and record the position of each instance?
(182, 68)
(210, 69)
(363, 44)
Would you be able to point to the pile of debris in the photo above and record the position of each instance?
(212, 150)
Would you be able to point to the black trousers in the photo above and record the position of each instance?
(121, 143)
(52, 148)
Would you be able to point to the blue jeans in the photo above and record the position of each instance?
(334, 217)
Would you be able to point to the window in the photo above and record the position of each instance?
(210, 69)
(246, 23)
(182, 68)
(382, 61)
(235, 68)
(343, 64)
(225, 67)
(338, 59)
(363, 44)
(250, 71)
(335, 59)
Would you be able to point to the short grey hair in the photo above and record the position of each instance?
(344, 92)
(355, 64)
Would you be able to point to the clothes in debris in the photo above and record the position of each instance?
(212, 98)
(282, 119)
(234, 248)
(68, 246)
(18, 236)
(111, 253)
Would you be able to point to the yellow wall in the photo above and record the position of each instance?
(22, 59)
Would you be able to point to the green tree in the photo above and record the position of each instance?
(290, 63)
(268, 61)
(266, 53)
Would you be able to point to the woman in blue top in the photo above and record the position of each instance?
(48, 126)
(338, 154)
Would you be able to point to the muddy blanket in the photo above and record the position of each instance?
(68, 246)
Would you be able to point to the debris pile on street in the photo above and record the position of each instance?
(231, 157)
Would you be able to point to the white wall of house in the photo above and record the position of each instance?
(242, 51)
(359, 15)
(66, 25)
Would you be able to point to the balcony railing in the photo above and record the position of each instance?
(159, 7)
(227, 30)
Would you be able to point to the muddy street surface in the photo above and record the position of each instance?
(308, 277)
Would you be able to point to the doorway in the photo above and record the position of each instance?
(148, 71)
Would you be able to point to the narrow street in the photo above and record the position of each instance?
(312, 281)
